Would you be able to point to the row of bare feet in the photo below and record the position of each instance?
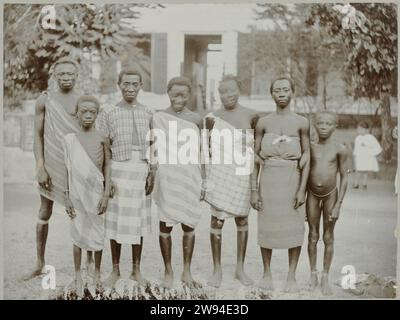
(215, 280)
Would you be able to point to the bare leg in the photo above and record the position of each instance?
(166, 252)
(115, 256)
(188, 247)
(313, 210)
(42, 229)
(216, 240)
(294, 254)
(266, 281)
(242, 235)
(90, 264)
(97, 264)
(328, 242)
(78, 282)
(365, 179)
(136, 256)
(356, 180)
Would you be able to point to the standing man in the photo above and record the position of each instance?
(178, 185)
(283, 141)
(54, 118)
(128, 216)
(228, 192)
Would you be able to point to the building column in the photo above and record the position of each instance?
(175, 54)
(229, 51)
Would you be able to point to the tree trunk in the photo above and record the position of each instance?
(386, 140)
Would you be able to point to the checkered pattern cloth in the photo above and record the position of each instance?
(226, 190)
(178, 186)
(128, 215)
(86, 190)
(125, 127)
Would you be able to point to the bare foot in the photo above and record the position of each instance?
(97, 279)
(168, 281)
(266, 283)
(188, 280)
(216, 279)
(291, 284)
(78, 285)
(243, 277)
(325, 287)
(112, 279)
(313, 280)
(38, 271)
(137, 276)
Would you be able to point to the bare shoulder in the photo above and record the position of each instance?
(341, 149)
(303, 123)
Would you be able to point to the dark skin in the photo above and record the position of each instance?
(240, 118)
(282, 122)
(130, 85)
(65, 74)
(328, 158)
(97, 146)
(179, 97)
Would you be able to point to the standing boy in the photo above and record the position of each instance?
(328, 158)
(87, 185)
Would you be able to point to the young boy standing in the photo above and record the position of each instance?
(87, 185)
(328, 158)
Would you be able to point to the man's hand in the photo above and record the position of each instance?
(69, 208)
(255, 200)
(112, 189)
(150, 182)
(335, 212)
(43, 178)
(102, 207)
(299, 199)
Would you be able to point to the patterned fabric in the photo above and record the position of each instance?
(128, 215)
(227, 190)
(57, 123)
(178, 186)
(280, 226)
(125, 127)
(86, 190)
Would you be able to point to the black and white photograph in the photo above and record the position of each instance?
(200, 151)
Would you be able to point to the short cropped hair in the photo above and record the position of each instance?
(230, 77)
(364, 124)
(180, 81)
(129, 71)
(87, 98)
(282, 78)
(320, 113)
(65, 60)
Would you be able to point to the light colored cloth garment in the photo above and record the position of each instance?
(178, 186)
(280, 226)
(228, 191)
(125, 127)
(57, 123)
(128, 215)
(366, 149)
(86, 189)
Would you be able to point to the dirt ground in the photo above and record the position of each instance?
(364, 238)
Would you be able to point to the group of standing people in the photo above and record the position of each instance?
(96, 162)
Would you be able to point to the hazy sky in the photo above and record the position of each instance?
(200, 17)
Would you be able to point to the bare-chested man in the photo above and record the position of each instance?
(226, 192)
(178, 203)
(283, 141)
(54, 118)
(328, 158)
